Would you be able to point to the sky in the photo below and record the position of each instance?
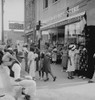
(13, 11)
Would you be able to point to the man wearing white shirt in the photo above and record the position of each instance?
(15, 68)
(27, 84)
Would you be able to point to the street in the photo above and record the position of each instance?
(61, 81)
(69, 89)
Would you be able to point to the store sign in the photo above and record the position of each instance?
(73, 10)
(60, 15)
(16, 26)
(76, 19)
(56, 17)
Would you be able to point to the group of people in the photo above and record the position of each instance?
(11, 79)
(38, 61)
(75, 62)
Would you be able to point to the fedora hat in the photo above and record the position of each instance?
(71, 46)
(20, 54)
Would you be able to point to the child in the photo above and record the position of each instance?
(41, 72)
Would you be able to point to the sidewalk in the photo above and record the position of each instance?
(79, 92)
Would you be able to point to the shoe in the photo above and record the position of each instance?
(18, 80)
(69, 77)
(84, 77)
(72, 77)
(80, 76)
(90, 81)
(46, 79)
(54, 79)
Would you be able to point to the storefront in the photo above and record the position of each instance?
(72, 27)
(66, 30)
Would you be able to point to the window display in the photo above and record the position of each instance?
(72, 31)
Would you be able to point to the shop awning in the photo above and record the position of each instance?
(65, 21)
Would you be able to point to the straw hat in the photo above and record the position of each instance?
(28, 77)
(72, 46)
(10, 49)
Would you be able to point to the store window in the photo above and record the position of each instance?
(72, 30)
(78, 28)
(67, 30)
(45, 4)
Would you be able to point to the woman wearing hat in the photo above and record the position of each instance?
(64, 58)
(71, 63)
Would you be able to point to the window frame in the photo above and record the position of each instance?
(54, 1)
(45, 4)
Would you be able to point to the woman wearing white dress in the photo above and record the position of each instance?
(71, 61)
(31, 63)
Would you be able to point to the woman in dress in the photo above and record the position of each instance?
(71, 61)
(31, 62)
(54, 56)
(47, 67)
(64, 58)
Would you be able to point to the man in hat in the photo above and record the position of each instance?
(15, 68)
(26, 83)
(23, 88)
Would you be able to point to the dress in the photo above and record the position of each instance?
(64, 59)
(77, 59)
(46, 64)
(31, 58)
(71, 67)
(35, 56)
(54, 56)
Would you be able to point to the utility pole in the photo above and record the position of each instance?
(39, 32)
(2, 20)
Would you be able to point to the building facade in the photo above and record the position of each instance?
(63, 21)
(29, 19)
